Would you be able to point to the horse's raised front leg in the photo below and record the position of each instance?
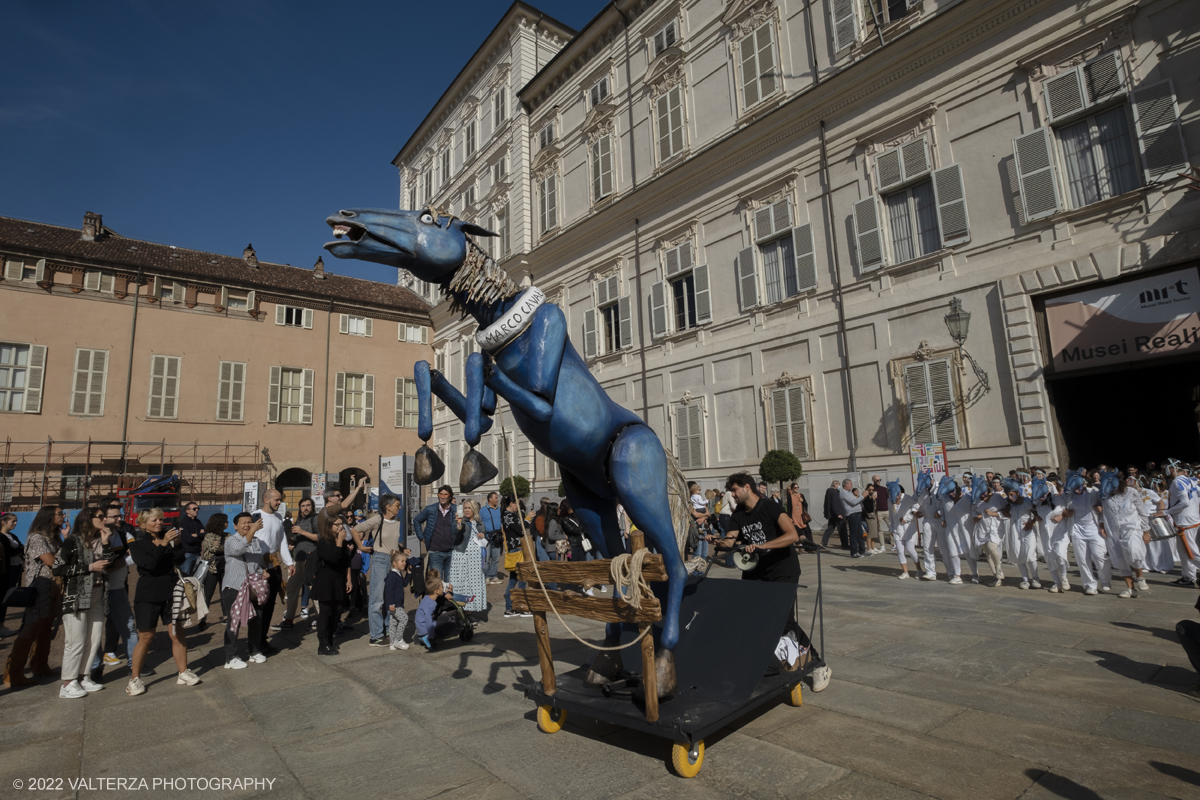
(471, 409)
(428, 467)
(476, 469)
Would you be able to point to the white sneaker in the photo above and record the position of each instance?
(603, 589)
(589, 592)
(1106, 589)
(257, 658)
(997, 582)
(903, 576)
(187, 678)
(1066, 585)
(89, 685)
(235, 663)
(135, 687)
(974, 579)
(402, 646)
(1023, 585)
(1035, 583)
(1125, 595)
(1053, 589)
(929, 576)
(1089, 592)
(1141, 585)
(820, 678)
(956, 581)
(72, 691)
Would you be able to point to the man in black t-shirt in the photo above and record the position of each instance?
(761, 526)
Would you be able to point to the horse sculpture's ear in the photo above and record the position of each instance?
(473, 229)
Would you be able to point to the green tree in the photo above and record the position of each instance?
(562, 491)
(521, 487)
(779, 466)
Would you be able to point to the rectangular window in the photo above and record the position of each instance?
(91, 374)
(929, 386)
(417, 334)
(612, 328)
(99, 281)
(406, 403)
(24, 271)
(164, 388)
(912, 222)
(889, 10)
(469, 139)
(74, 483)
(236, 301)
(599, 92)
(689, 436)
(502, 241)
(670, 124)
(548, 203)
(546, 136)
(231, 391)
(353, 325)
(291, 394)
(499, 107)
(790, 418)
(665, 38)
(684, 292)
(759, 72)
(294, 317)
(549, 468)
(779, 269)
(354, 400)
(602, 178)
(500, 171)
(468, 198)
(446, 166)
(14, 375)
(427, 179)
(1098, 157)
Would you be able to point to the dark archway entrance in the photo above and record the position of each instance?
(354, 472)
(294, 484)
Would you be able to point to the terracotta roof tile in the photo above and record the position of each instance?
(113, 250)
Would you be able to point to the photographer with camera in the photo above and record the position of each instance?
(158, 556)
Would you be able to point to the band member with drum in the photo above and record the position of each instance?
(1160, 552)
(1122, 503)
(762, 527)
(1183, 505)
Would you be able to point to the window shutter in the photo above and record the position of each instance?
(237, 391)
(171, 388)
(868, 235)
(177, 290)
(95, 401)
(747, 279)
(91, 280)
(798, 421)
(34, 377)
(306, 398)
(39, 272)
(401, 335)
(703, 295)
(1160, 137)
(250, 298)
(914, 157)
(941, 393)
(83, 367)
(343, 323)
(845, 24)
(369, 401)
(1104, 77)
(14, 270)
(916, 388)
(367, 325)
(589, 333)
(280, 314)
(888, 169)
(273, 395)
(224, 301)
(339, 399)
(664, 128)
(779, 411)
(155, 289)
(308, 318)
(1036, 179)
(1063, 95)
(679, 259)
(399, 402)
(224, 390)
(157, 377)
(750, 93)
(806, 261)
(951, 203)
(658, 310)
(766, 61)
(625, 315)
(689, 439)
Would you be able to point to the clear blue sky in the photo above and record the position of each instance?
(210, 125)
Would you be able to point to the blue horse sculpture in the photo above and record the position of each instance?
(607, 454)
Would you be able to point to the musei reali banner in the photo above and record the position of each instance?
(1135, 320)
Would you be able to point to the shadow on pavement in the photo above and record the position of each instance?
(1063, 787)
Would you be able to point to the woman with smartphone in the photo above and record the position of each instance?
(82, 562)
(157, 554)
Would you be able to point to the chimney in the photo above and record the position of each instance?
(319, 268)
(249, 257)
(93, 225)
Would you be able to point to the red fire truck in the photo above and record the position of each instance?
(156, 492)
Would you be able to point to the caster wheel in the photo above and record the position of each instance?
(796, 698)
(550, 719)
(467, 634)
(687, 760)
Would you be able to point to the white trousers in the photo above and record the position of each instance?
(1026, 557)
(947, 543)
(1010, 540)
(1091, 554)
(1056, 556)
(1045, 551)
(1128, 551)
(905, 540)
(1160, 555)
(1188, 552)
(83, 631)
(928, 561)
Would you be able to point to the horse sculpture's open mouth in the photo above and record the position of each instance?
(352, 231)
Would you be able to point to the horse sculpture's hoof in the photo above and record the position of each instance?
(476, 471)
(664, 670)
(428, 467)
(605, 666)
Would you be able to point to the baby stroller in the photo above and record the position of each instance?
(452, 610)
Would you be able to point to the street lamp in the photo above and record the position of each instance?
(958, 322)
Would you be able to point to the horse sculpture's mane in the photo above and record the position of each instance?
(479, 280)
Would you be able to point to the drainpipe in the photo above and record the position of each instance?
(831, 236)
(137, 291)
(325, 402)
(812, 47)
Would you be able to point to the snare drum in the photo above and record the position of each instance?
(1161, 528)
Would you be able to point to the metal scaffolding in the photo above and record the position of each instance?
(73, 473)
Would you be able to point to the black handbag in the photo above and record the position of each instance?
(21, 596)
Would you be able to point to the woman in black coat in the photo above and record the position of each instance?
(158, 557)
(13, 553)
(332, 581)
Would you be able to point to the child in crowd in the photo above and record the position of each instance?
(393, 598)
(427, 610)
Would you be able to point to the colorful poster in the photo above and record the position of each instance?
(250, 496)
(318, 490)
(929, 458)
(1134, 320)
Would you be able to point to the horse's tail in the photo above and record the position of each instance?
(677, 494)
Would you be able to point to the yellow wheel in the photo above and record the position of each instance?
(796, 698)
(687, 760)
(551, 719)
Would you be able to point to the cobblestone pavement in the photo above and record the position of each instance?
(938, 690)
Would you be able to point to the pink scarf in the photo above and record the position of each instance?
(242, 610)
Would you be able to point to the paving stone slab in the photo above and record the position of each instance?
(887, 707)
(390, 669)
(741, 766)
(54, 759)
(856, 786)
(1090, 683)
(166, 711)
(439, 705)
(36, 712)
(327, 707)
(1153, 730)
